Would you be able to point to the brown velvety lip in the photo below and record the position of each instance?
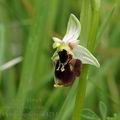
(72, 69)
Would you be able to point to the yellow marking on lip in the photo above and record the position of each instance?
(65, 47)
(57, 85)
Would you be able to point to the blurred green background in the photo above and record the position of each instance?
(26, 88)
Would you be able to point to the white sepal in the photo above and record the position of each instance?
(73, 30)
(85, 56)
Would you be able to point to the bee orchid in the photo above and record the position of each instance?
(69, 55)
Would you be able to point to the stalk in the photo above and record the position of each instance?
(93, 23)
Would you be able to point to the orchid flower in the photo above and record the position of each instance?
(69, 55)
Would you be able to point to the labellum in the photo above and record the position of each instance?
(69, 55)
(66, 69)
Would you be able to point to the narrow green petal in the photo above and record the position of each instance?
(55, 56)
(57, 42)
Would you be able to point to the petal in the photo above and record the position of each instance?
(85, 56)
(55, 56)
(73, 44)
(57, 42)
(73, 29)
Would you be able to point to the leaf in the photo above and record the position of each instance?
(66, 105)
(104, 24)
(90, 115)
(10, 63)
(103, 110)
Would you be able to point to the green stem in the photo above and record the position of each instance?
(93, 24)
(80, 94)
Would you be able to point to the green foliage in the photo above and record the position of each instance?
(88, 114)
(26, 88)
(103, 110)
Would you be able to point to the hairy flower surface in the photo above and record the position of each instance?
(70, 55)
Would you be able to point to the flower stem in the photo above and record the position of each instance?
(81, 93)
(93, 24)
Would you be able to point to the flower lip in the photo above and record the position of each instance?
(67, 77)
(63, 56)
